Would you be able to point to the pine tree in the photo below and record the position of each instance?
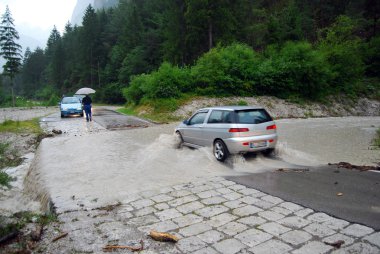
(9, 49)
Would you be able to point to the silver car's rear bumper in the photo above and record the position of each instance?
(248, 144)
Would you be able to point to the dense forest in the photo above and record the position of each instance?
(149, 50)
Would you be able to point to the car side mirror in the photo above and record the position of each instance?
(186, 122)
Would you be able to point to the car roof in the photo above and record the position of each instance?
(232, 108)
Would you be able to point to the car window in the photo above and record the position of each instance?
(198, 118)
(69, 100)
(253, 116)
(220, 116)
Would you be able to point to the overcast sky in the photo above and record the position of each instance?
(34, 19)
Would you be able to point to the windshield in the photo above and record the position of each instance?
(252, 116)
(70, 100)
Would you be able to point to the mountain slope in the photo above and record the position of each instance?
(80, 8)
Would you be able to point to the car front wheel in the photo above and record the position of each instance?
(220, 150)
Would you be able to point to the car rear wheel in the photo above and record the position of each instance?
(220, 150)
(179, 139)
(269, 152)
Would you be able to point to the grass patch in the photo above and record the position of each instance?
(5, 179)
(30, 126)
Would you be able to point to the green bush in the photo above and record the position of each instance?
(134, 93)
(295, 69)
(110, 93)
(226, 70)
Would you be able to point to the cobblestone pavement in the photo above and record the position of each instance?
(209, 216)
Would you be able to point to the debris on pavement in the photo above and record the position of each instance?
(163, 237)
(59, 237)
(295, 170)
(55, 131)
(131, 248)
(336, 244)
(339, 194)
(348, 165)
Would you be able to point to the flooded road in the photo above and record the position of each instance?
(89, 166)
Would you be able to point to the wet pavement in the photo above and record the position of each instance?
(112, 187)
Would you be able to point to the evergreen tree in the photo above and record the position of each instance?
(9, 49)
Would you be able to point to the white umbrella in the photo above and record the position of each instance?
(85, 90)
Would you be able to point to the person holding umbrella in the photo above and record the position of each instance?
(86, 101)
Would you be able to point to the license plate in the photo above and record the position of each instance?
(257, 144)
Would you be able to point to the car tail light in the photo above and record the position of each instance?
(271, 127)
(245, 143)
(238, 130)
(271, 140)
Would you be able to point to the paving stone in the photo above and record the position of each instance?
(224, 190)
(168, 214)
(211, 211)
(227, 183)
(125, 208)
(163, 226)
(207, 250)
(246, 210)
(304, 212)
(229, 246)
(232, 228)
(149, 193)
(313, 248)
(190, 207)
(258, 194)
(271, 247)
(144, 220)
(360, 248)
(253, 237)
(336, 224)
(200, 189)
(281, 210)
(184, 186)
(213, 201)
(294, 222)
(232, 196)
(272, 216)
(274, 228)
(272, 199)
(190, 244)
(319, 217)
(182, 200)
(249, 200)
(237, 187)
(291, 206)
(221, 219)
(162, 206)
(187, 220)
(138, 204)
(161, 198)
(252, 221)
(211, 236)
(357, 230)
(319, 230)
(248, 191)
(234, 204)
(130, 198)
(263, 204)
(216, 185)
(195, 229)
(124, 216)
(165, 190)
(179, 193)
(339, 237)
(145, 211)
(296, 237)
(208, 194)
(374, 239)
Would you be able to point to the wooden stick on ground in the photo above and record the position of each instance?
(163, 237)
(60, 236)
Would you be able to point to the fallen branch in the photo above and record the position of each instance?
(131, 248)
(163, 237)
(59, 237)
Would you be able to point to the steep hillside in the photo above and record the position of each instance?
(76, 18)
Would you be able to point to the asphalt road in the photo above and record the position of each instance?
(318, 189)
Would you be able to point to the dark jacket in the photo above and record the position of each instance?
(86, 100)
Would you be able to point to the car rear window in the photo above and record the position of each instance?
(252, 116)
(69, 100)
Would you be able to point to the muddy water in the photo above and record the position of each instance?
(106, 167)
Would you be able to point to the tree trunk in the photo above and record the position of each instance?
(13, 95)
(209, 35)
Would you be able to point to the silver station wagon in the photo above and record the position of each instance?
(230, 130)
